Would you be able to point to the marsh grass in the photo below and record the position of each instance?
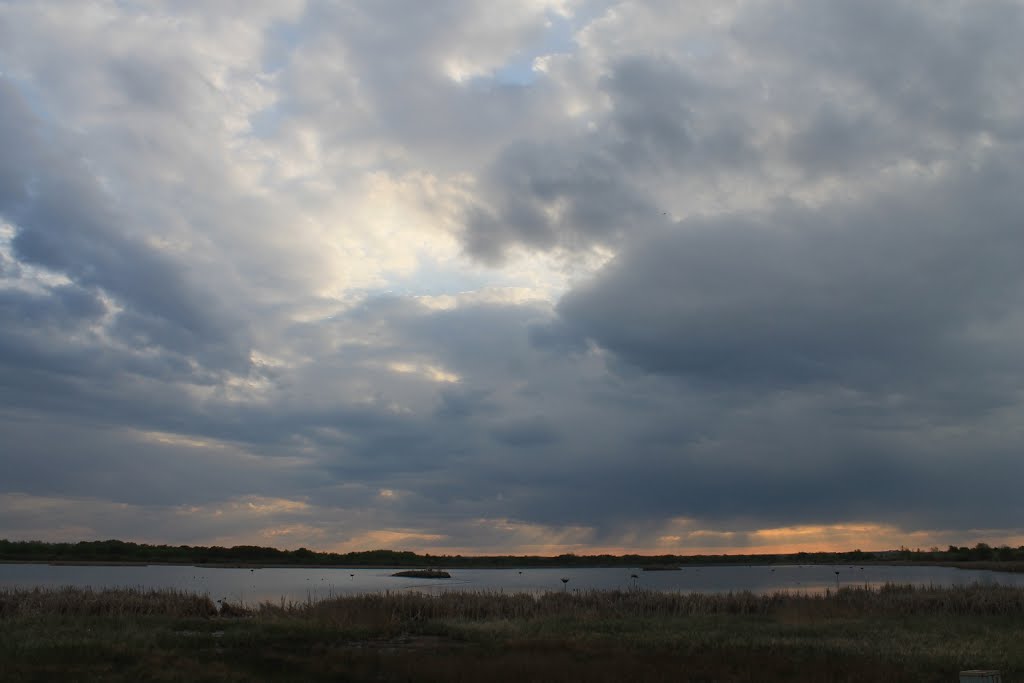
(894, 633)
(119, 602)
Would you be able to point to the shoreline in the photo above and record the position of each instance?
(982, 565)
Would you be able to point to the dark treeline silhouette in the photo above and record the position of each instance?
(122, 551)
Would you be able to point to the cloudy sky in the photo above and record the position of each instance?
(517, 276)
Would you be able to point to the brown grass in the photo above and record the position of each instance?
(889, 600)
(899, 633)
(116, 602)
(849, 602)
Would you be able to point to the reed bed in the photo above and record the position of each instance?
(401, 607)
(889, 600)
(121, 602)
(895, 633)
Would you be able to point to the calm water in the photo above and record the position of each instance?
(293, 584)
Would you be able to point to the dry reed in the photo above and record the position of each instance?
(119, 602)
(405, 607)
(977, 599)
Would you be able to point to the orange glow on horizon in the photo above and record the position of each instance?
(770, 541)
(293, 523)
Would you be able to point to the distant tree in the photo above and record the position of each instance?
(981, 551)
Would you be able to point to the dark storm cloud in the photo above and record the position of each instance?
(593, 189)
(557, 336)
(458, 404)
(854, 433)
(838, 141)
(65, 306)
(861, 88)
(590, 189)
(945, 66)
(17, 128)
(65, 223)
(526, 433)
(127, 467)
(862, 295)
(656, 120)
(883, 331)
(553, 196)
(900, 303)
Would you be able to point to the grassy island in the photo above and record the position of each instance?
(424, 574)
(897, 633)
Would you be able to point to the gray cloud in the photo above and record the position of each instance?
(592, 188)
(935, 67)
(526, 433)
(808, 216)
(862, 295)
(65, 225)
(552, 197)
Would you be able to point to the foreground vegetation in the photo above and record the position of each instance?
(892, 634)
(980, 556)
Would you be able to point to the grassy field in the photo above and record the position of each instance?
(897, 633)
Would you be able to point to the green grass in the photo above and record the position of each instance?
(896, 633)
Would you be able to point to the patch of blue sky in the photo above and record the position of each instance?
(280, 40)
(434, 279)
(519, 71)
(265, 122)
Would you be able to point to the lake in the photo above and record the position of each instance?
(251, 586)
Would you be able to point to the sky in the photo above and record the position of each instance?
(513, 276)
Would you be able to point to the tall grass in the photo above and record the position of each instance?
(890, 600)
(121, 602)
(400, 607)
(896, 633)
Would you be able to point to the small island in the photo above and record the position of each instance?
(424, 574)
(661, 568)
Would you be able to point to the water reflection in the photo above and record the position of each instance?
(251, 586)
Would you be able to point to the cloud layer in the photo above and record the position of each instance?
(512, 277)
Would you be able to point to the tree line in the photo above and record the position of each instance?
(126, 551)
